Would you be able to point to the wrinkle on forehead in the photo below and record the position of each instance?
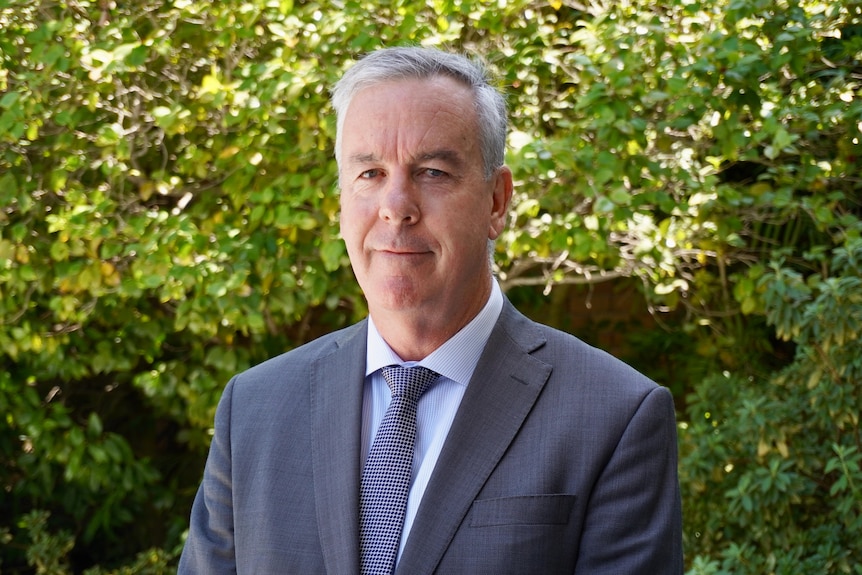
(445, 109)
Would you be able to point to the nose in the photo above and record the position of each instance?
(399, 202)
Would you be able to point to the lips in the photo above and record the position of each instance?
(402, 247)
(401, 259)
(404, 252)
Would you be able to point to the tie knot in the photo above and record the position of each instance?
(409, 382)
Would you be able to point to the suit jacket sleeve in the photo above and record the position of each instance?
(633, 519)
(210, 544)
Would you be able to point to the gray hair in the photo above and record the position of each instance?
(420, 63)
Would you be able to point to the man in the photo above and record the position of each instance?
(533, 452)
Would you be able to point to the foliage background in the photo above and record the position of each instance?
(168, 216)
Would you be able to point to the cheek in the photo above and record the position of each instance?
(471, 219)
(354, 223)
(346, 223)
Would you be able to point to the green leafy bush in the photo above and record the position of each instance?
(772, 465)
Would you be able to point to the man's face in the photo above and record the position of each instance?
(416, 210)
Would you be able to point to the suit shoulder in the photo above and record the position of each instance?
(300, 358)
(570, 354)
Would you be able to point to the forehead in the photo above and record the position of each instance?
(410, 118)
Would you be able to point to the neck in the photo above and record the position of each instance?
(416, 333)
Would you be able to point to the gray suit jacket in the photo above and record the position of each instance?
(561, 459)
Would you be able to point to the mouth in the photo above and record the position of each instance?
(402, 247)
(404, 252)
(401, 256)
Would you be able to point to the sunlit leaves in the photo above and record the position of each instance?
(652, 108)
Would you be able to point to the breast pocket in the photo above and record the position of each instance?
(551, 509)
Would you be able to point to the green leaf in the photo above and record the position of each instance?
(331, 253)
(94, 425)
(9, 99)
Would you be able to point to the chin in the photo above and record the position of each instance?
(398, 302)
(401, 299)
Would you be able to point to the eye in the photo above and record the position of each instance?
(370, 174)
(434, 173)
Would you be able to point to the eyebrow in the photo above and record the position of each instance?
(450, 156)
(363, 158)
(446, 155)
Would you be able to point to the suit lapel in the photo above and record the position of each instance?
(502, 392)
(336, 407)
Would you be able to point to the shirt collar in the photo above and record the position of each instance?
(457, 358)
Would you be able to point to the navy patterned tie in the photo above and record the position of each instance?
(386, 477)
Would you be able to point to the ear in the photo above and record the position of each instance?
(502, 197)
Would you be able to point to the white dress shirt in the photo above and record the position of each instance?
(455, 361)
